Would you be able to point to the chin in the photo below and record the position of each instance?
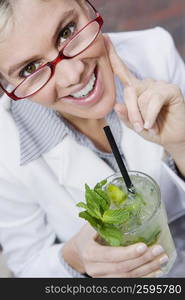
(101, 111)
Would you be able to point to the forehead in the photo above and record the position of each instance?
(28, 11)
(32, 25)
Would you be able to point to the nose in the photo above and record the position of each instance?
(68, 73)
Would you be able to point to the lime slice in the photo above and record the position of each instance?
(116, 195)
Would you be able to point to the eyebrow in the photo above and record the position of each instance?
(66, 15)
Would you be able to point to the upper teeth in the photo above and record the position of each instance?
(87, 89)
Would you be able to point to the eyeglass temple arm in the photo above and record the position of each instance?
(92, 7)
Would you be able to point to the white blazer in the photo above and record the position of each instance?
(38, 200)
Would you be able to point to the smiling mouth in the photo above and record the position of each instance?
(85, 92)
(90, 93)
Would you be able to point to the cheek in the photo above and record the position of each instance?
(103, 60)
(46, 96)
(98, 48)
(107, 75)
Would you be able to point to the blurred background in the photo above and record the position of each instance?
(124, 15)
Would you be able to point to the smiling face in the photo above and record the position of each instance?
(81, 87)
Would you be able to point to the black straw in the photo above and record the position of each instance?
(119, 159)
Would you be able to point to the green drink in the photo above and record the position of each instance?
(148, 223)
(122, 219)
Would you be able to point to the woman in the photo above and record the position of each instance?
(52, 140)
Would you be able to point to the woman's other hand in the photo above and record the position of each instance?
(154, 109)
(86, 255)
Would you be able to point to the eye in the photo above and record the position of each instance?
(29, 69)
(66, 33)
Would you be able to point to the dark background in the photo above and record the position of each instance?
(124, 15)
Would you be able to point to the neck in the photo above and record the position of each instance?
(86, 126)
(93, 129)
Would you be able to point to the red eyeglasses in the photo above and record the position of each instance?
(80, 42)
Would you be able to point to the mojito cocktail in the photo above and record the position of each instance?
(148, 221)
(122, 218)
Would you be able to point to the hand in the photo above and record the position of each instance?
(84, 254)
(154, 109)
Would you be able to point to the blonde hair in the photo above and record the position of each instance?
(5, 13)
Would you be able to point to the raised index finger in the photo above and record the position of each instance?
(118, 66)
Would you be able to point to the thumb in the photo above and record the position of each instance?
(118, 66)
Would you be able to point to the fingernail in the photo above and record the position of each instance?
(147, 125)
(164, 260)
(137, 127)
(157, 250)
(158, 274)
(141, 249)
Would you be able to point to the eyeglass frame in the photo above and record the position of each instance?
(52, 64)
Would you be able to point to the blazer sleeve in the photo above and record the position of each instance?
(172, 186)
(27, 238)
(172, 192)
(175, 63)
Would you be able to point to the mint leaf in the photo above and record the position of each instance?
(106, 221)
(82, 205)
(93, 206)
(105, 203)
(89, 210)
(111, 234)
(100, 184)
(93, 221)
(101, 202)
(116, 216)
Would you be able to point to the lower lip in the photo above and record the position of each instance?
(93, 97)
